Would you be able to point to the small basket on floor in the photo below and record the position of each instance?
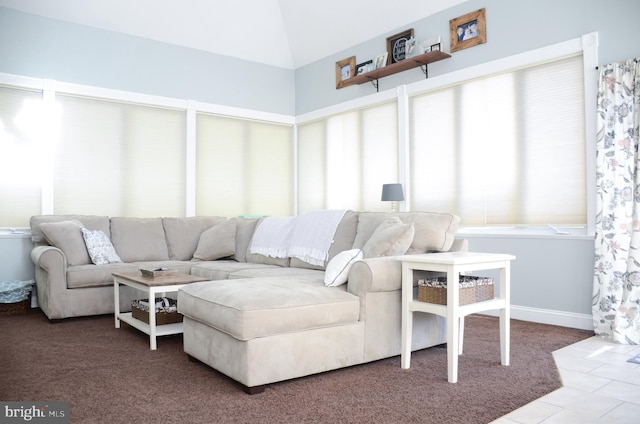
(15, 297)
(472, 289)
(166, 311)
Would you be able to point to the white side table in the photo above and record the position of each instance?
(453, 263)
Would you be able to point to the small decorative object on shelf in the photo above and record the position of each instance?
(345, 69)
(468, 30)
(363, 67)
(381, 60)
(410, 48)
(158, 272)
(396, 46)
(427, 44)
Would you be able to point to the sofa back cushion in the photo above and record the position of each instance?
(244, 232)
(182, 234)
(91, 222)
(139, 239)
(434, 232)
(67, 236)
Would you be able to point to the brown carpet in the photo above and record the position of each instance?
(109, 375)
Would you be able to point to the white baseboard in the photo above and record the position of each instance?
(548, 316)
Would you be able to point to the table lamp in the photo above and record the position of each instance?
(392, 193)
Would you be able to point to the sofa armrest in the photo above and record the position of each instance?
(51, 279)
(375, 275)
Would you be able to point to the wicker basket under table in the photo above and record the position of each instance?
(480, 290)
(162, 317)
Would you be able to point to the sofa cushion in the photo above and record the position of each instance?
(67, 236)
(434, 232)
(91, 222)
(258, 258)
(251, 308)
(338, 267)
(139, 239)
(244, 231)
(182, 234)
(391, 238)
(217, 242)
(222, 269)
(99, 247)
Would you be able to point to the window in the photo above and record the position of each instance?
(344, 159)
(119, 159)
(243, 167)
(24, 155)
(505, 149)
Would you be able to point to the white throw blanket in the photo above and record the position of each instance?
(307, 236)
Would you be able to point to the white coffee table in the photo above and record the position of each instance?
(151, 286)
(453, 263)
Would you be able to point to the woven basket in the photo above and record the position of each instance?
(15, 308)
(162, 317)
(476, 293)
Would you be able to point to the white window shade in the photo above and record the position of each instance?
(343, 160)
(243, 167)
(506, 149)
(120, 159)
(23, 156)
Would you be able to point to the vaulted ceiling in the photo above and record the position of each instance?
(283, 33)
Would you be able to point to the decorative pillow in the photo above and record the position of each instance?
(67, 236)
(391, 238)
(100, 248)
(339, 266)
(217, 242)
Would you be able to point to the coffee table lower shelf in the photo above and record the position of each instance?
(161, 330)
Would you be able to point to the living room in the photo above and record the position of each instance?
(553, 276)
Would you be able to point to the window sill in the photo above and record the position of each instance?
(563, 233)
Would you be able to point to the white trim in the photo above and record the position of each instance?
(190, 168)
(236, 112)
(359, 103)
(549, 316)
(590, 61)
(403, 146)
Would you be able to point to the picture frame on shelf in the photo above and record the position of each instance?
(426, 44)
(396, 45)
(381, 60)
(436, 47)
(410, 48)
(345, 69)
(364, 67)
(468, 30)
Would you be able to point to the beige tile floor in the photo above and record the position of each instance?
(599, 386)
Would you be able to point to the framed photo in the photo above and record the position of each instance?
(363, 67)
(396, 46)
(425, 45)
(345, 69)
(381, 60)
(410, 48)
(468, 30)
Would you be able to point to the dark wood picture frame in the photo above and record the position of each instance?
(468, 30)
(395, 46)
(345, 69)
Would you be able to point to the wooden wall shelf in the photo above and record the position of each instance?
(404, 65)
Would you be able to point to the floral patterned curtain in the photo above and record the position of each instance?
(616, 285)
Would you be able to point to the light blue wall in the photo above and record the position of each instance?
(44, 48)
(513, 26)
(551, 274)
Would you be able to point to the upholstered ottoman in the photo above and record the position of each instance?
(267, 329)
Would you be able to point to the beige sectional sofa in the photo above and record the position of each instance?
(259, 319)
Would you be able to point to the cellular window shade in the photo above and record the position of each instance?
(506, 149)
(344, 159)
(243, 167)
(23, 157)
(120, 159)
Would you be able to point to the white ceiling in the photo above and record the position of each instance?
(283, 33)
